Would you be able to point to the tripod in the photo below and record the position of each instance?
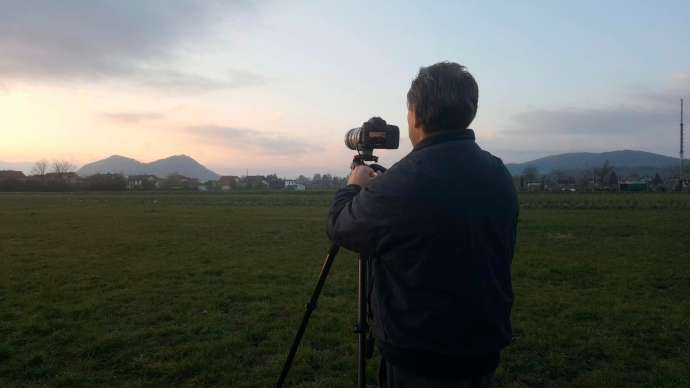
(361, 327)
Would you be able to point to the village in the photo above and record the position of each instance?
(603, 179)
(590, 182)
(58, 180)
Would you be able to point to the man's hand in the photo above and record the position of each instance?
(361, 175)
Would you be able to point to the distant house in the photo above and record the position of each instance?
(179, 182)
(7, 175)
(293, 185)
(634, 186)
(210, 185)
(228, 182)
(142, 182)
(564, 184)
(255, 182)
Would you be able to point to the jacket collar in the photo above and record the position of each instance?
(445, 136)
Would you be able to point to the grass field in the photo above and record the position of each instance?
(189, 290)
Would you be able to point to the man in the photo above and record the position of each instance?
(439, 229)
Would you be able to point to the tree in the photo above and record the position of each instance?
(339, 182)
(40, 168)
(176, 181)
(531, 173)
(584, 181)
(316, 180)
(274, 182)
(601, 173)
(326, 180)
(62, 167)
(611, 180)
(303, 180)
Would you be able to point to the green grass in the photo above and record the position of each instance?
(189, 290)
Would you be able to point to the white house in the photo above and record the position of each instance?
(293, 185)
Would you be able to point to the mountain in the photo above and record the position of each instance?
(183, 165)
(180, 164)
(626, 159)
(115, 164)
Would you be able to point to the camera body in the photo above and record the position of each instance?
(373, 134)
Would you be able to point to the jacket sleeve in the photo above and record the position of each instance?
(357, 219)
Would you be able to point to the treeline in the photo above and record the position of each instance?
(322, 181)
(65, 182)
(70, 181)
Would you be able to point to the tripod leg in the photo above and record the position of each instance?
(362, 328)
(311, 306)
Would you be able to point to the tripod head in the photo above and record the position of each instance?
(359, 160)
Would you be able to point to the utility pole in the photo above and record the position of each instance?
(681, 176)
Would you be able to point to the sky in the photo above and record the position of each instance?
(273, 86)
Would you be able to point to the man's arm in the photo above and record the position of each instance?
(353, 219)
(359, 213)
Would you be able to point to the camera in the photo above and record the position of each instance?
(375, 133)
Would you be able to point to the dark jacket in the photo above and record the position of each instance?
(440, 228)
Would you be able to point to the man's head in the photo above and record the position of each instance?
(443, 97)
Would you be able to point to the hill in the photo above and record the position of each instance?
(626, 159)
(114, 164)
(180, 164)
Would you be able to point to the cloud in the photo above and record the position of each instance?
(132, 117)
(668, 95)
(241, 138)
(641, 113)
(105, 39)
(607, 121)
(645, 119)
(174, 80)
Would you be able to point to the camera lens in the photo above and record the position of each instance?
(353, 138)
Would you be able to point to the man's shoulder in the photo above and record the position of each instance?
(419, 172)
(397, 181)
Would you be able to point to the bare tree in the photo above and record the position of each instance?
(62, 167)
(40, 168)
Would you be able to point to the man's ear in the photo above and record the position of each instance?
(411, 117)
